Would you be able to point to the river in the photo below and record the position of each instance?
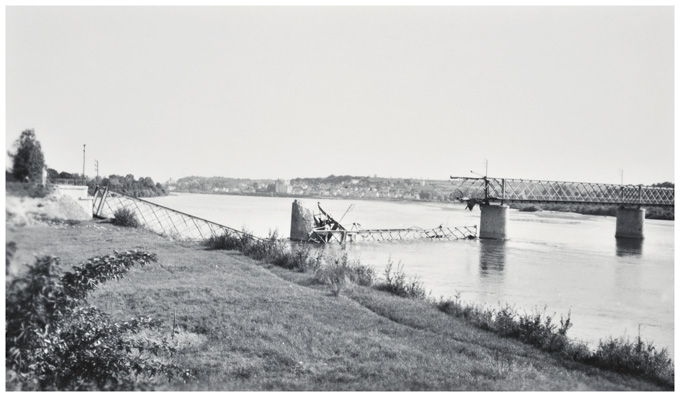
(558, 262)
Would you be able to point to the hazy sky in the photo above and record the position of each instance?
(558, 93)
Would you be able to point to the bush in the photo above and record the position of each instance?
(33, 190)
(227, 241)
(396, 283)
(335, 273)
(539, 330)
(125, 217)
(55, 341)
(272, 250)
(304, 259)
(634, 358)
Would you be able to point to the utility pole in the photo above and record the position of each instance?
(621, 175)
(84, 181)
(96, 167)
(486, 167)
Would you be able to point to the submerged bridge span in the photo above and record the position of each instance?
(492, 195)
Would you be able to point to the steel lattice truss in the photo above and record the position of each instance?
(378, 235)
(528, 191)
(161, 220)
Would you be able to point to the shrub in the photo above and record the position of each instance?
(362, 274)
(634, 358)
(33, 190)
(304, 259)
(396, 283)
(538, 329)
(125, 217)
(335, 273)
(337, 270)
(227, 241)
(55, 341)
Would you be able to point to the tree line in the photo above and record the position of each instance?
(28, 163)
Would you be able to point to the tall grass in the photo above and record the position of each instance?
(396, 283)
(337, 271)
(542, 331)
(328, 266)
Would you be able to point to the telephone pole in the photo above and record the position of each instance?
(84, 181)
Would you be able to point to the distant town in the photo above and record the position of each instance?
(358, 187)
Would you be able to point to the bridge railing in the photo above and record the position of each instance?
(162, 220)
(537, 191)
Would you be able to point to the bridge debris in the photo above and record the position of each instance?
(327, 230)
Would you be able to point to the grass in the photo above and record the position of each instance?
(244, 324)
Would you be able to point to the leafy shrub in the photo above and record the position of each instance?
(226, 241)
(634, 358)
(335, 272)
(304, 259)
(125, 217)
(362, 274)
(396, 283)
(539, 330)
(335, 269)
(55, 341)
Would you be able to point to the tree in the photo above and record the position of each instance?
(52, 173)
(28, 161)
(664, 184)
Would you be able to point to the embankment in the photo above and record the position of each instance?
(246, 325)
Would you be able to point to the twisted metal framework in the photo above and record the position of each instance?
(160, 219)
(485, 190)
(413, 233)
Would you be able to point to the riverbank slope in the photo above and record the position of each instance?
(244, 325)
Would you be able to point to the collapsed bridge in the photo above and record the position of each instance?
(322, 228)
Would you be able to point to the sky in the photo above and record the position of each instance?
(553, 93)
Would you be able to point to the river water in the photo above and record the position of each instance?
(558, 262)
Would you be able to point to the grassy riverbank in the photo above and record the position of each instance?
(241, 324)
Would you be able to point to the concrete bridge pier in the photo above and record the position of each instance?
(630, 222)
(494, 221)
(301, 222)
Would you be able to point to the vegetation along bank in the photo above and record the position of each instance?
(240, 314)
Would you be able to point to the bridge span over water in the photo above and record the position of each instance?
(492, 195)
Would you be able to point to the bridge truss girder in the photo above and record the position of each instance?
(487, 190)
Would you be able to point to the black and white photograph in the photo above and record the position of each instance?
(337, 196)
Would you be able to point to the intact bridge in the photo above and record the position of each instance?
(492, 195)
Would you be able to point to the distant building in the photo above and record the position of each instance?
(170, 185)
(283, 187)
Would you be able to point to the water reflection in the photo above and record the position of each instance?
(628, 246)
(491, 257)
